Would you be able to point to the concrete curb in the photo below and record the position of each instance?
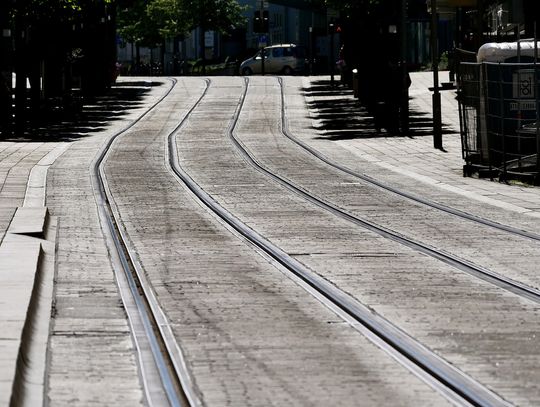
(37, 181)
(26, 282)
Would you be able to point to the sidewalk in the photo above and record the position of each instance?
(27, 240)
(408, 161)
(416, 158)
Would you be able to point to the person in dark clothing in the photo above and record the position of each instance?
(5, 104)
(392, 97)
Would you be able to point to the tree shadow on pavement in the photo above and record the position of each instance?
(340, 116)
(57, 123)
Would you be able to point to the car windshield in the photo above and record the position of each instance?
(258, 54)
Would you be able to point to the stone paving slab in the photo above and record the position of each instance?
(417, 159)
(35, 189)
(250, 335)
(29, 221)
(93, 360)
(423, 296)
(17, 160)
(22, 258)
(21, 279)
(393, 158)
(410, 163)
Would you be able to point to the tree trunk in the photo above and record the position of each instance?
(6, 72)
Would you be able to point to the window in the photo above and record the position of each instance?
(277, 52)
(288, 52)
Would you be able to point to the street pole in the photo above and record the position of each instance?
(20, 71)
(262, 61)
(479, 23)
(261, 15)
(404, 71)
(311, 48)
(436, 97)
(331, 25)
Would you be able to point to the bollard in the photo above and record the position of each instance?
(355, 82)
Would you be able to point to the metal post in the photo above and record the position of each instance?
(261, 9)
(331, 26)
(20, 71)
(501, 110)
(519, 113)
(262, 60)
(537, 97)
(479, 23)
(311, 48)
(404, 116)
(436, 97)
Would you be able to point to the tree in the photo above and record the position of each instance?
(46, 33)
(178, 17)
(214, 15)
(134, 24)
(32, 21)
(170, 17)
(149, 23)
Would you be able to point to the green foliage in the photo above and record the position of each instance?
(349, 5)
(218, 15)
(56, 11)
(134, 25)
(147, 22)
(36, 10)
(169, 16)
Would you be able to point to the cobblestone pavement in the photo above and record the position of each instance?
(90, 341)
(249, 334)
(92, 354)
(19, 254)
(415, 158)
(419, 294)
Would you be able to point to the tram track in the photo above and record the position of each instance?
(167, 362)
(482, 273)
(412, 197)
(448, 380)
(122, 234)
(163, 371)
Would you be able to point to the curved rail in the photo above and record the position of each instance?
(466, 266)
(445, 378)
(382, 185)
(149, 325)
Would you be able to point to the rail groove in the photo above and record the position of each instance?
(149, 326)
(449, 381)
(489, 276)
(382, 185)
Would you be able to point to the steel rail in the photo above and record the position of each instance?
(482, 273)
(448, 380)
(149, 326)
(415, 198)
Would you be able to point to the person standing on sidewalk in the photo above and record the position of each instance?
(392, 97)
(343, 68)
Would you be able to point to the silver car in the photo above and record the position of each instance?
(283, 58)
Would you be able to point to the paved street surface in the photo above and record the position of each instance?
(250, 332)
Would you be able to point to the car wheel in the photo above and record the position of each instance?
(287, 70)
(247, 71)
